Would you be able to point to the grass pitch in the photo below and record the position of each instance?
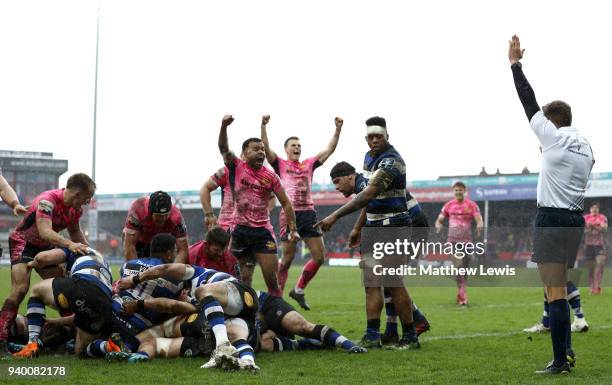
(480, 344)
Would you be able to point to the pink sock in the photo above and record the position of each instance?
(308, 273)
(282, 274)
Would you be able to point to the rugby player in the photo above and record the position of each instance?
(9, 197)
(595, 246)
(252, 184)
(296, 177)
(218, 179)
(567, 161)
(86, 293)
(163, 250)
(50, 212)
(460, 212)
(348, 182)
(220, 295)
(186, 335)
(153, 215)
(383, 204)
(280, 322)
(213, 253)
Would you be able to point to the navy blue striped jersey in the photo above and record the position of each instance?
(92, 267)
(202, 276)
(155, 288)
(361, 182)
(390, 204)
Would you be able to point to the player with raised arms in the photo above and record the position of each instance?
(252, 185)
(296, 177)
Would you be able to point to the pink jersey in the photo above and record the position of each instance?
(460, 216)
(252, 189)
(227, 200)
(139, 222)
(593, 236)
(297, 179)
(50, 205)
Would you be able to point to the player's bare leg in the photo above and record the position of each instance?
(600, 263)
(374, 306)
(41, 296)
(317, 252)
(269, 266)
(289, 249)
(20, 283)
(82, 340)
(238, 333)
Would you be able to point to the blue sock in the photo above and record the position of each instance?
(332, 338)
(391, 326)
(418, 315)
(284, 344)
(309, 344)
(245, 351)
(36, 318)
(373, 329)
(573, 297)
(408, 331)
(95, 349)
(214, 314)
(559, 329)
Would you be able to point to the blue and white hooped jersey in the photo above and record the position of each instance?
(202, 276)
(92, 267)
(155, 288)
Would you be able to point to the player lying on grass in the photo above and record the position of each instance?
(220, 295)
(280, 322)
(86, 293)
(188, 335)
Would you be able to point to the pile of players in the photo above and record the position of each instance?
(173, 299)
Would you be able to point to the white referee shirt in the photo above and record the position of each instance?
(567, 160)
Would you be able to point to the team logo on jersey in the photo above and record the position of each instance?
(192, 318)
(45, 207)
(62, 301)
(264, 180)
(387, 163)
(248, 299)
(271, 245)
(133, 220)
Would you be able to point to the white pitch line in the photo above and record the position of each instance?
(496, 334)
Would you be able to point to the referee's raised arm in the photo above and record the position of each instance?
(523, 88)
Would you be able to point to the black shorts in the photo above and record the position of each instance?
(22, 251)
(273, 311)
(591, 251)
(305, 221)
(250, 302)
(247, 241)
(557, 236)
(90, 305)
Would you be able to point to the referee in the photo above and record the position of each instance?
(567, 160)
